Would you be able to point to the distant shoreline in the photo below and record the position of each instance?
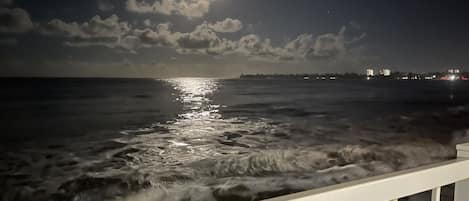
(355, 76)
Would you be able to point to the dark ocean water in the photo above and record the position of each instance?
(214, 139)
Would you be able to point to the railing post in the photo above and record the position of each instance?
(436, 194)
(461, 191)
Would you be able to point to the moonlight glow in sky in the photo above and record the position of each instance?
(225, 38)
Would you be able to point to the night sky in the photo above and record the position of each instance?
(225, 38)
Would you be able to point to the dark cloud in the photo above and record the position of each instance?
(14, 20)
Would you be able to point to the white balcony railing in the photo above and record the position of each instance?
(391, 187)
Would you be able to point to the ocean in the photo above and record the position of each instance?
(217, 139)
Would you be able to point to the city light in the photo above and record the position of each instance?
(452, 77)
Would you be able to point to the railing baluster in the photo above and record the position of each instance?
(461, 189)
(436, 194)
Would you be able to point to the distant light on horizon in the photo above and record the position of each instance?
(386, 72)
(452, 77)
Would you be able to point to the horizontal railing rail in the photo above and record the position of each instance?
(397, 185)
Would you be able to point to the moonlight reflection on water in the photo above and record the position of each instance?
(193, 94)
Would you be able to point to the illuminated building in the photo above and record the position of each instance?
(453, 75)
(386, 72)
(370, 72)
(454, 70)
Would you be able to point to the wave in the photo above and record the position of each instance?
(272, 173)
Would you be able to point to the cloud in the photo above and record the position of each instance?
(253, 46)
(14, 20)
(333, 45)
(205, 39)
(188, 8)
(109, 32)
(96, 27)
(105, 5)
(130, 43)
(201, 38)
(227, 26)
(328, 46)
(305, 47)
(300, 45)
(160, 36)
(357, 39)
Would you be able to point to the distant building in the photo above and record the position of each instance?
(454, 70)
(385, 72)
(382, 72)
(453, 74)
(430, 77)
